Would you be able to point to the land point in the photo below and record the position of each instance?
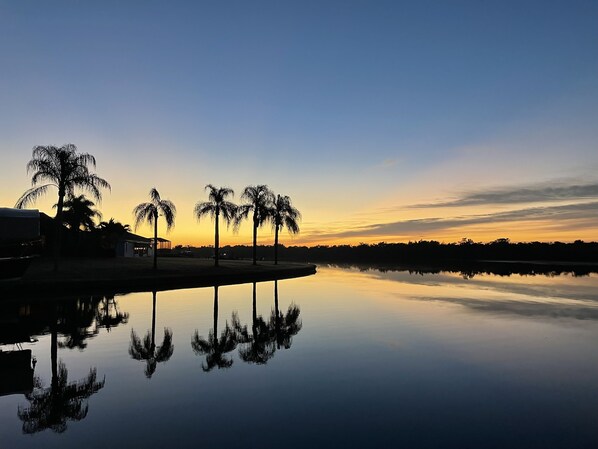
(78, 276)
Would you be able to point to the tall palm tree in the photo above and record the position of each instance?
(78, 213)
(215, 207)
(259, 200)
(53, 407)
(63, 401)
(213, 347)
(283, 215)
(150, 211)
(147, 350)
(66, 170)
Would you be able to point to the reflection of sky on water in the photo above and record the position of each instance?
(381, 360)
(557, 297)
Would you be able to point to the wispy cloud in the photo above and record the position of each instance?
(519, 195)
(570, 213)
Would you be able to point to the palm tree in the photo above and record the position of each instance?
(66, 170)
(150, 211)
(258, 347)
(108, 314)
(53, 407)
(78, 213)
(216, 206)
(111, 231)
(259, 200)
(284, 326)
(213, 347)
(283, 215)
(147, 350)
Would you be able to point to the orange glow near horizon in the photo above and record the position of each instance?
(350, 220)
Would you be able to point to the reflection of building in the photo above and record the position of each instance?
(132, 245)
(16, 372)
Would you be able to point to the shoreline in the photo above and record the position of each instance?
(83, 276)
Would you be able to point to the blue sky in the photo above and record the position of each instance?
(356, 110)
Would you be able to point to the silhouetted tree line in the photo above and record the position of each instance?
(72, 230)
(423, 251)
(471, 269)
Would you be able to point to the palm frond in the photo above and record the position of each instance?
(144, 212)
(228, 211)
(205, 208)
(154, 195)
(31, 195)
(169, 211)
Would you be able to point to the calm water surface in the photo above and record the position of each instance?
(352, 359)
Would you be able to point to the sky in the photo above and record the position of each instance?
(383, 121)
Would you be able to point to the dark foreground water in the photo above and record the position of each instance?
(352, 359)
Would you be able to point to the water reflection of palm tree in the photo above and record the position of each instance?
(77, 322)
(284, 326)
(146, 349)
(63, 401)
(214, 348)
(108, 314)
(258, 347)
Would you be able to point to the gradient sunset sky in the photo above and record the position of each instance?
(384, 121)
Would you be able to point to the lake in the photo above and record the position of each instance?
(354, 358)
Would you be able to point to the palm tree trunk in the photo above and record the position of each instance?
(156, 241)
(276, 245)
(277, 313)
(216, 240)
(254, 243)
(153, 321)
(276, 297)
(254, 320)
(54, 353)
(216, 312)
(58, 229)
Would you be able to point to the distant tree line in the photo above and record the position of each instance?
(423, 251)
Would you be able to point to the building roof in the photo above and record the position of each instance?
(130, 237)
(9, 212)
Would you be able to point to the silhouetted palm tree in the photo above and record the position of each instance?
(53, 407)
(215, 207)
(283, 215)
(111, 231)
(259, 200)
(114, 227)
(215, 348)
(79, 214)
(66, 170)
(258, 347)
(284, 326)
(150, 211)
(146, 349)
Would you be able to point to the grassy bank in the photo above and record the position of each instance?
(123, 275)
